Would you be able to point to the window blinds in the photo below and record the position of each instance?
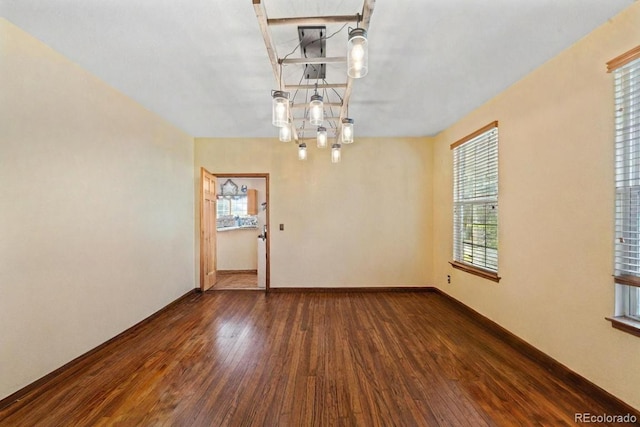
(475, 199)
(627, 166)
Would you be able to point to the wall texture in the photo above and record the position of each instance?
(96, 211)
(363, 222)
(556, 211)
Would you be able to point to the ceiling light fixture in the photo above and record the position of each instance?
(335, 153)
(347, 131)
(303, 120)
(357, 53)
(285, 133)
(316, 109)
(280, 108)
(321, 137)
(302, 151)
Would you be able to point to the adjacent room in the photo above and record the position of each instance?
(341, 212)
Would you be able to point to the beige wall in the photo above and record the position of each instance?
(556, 211)
(96, 211)
(238, 249)
(363, 222)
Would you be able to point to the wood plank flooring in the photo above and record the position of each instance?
(233, 280)
(306, 359)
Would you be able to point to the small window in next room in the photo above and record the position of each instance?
(626, 76)
(475, 202)
(231, 205)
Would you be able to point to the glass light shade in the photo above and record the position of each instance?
(335, 153)
(357, 53)
(347, 131)
(316, 110)
(280, 108)
(285, 133)
(302, 151)
(322, 137)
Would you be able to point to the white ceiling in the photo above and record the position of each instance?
(203, 65)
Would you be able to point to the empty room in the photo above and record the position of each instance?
(299, 212)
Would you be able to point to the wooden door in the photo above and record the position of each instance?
(207, 230)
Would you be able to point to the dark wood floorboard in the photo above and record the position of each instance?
(306, 359)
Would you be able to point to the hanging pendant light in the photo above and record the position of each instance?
(280, 108)
(285, 133)
(302, 151)
(347, 131)
(357, 53)
(316, 110)
(335, 153)
(322, 137)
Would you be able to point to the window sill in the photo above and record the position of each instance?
(627, 280)
(476, 271)
(625, 324)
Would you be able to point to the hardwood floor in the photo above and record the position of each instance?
(306, 359)
(234, 280)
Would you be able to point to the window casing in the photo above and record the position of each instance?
(475, 201)
(627, 184)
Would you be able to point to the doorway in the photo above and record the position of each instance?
(238, 242)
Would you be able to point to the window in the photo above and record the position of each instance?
(475, 202)
(232, 206)
(236, 211)
(633, 310)
(626, 71)
(223, 207)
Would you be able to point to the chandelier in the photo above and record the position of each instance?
(316, 110)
